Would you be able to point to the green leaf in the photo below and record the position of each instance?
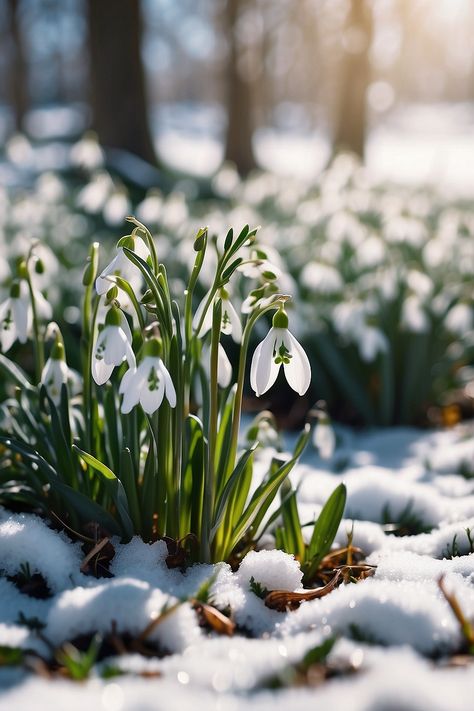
(294, 541)
(15, 373)
(87, 509)
(326, 527)
(318, 654)
(154, 285)
(57, 436)
(230, 488)
(266, 492)
(113, 486)
(11, 656)
(128, 479)
(226, 275)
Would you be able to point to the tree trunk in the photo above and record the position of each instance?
(17, 89)
(240, 119)
(117, 81)
(351, 112)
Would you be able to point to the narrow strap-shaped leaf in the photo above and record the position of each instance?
(291, 522)
(114, 486)
(152, 282)
(62, 448)
(15, 373)
(266, 492)
(326, 527)
(128, 479)
(230, 487)
(86, 509)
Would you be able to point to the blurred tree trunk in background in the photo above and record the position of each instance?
(240, 116)
(17, 73)
(354, 78)
(117, 81)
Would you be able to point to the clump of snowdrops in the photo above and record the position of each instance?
(146, 440)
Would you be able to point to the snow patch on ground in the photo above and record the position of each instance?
(389, 627)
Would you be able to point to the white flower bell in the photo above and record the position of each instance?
(111, 348)
(230, 320)
(120, 264)
(15, 317)
(149, 383)
(324, 437)
(55, 372)
(280, 348)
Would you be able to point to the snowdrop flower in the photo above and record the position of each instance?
(87, 153)
(111, 348)
(371, 342)
(55, 372)
(149, 383)
(149, 210)
(15, 317)
(324, 437)
(280, 347)
(230, 321)
(258, 265)
(322, 278)
(93, 196)
(459, 319)
(117, 207)
(413, 316)
(120, 264)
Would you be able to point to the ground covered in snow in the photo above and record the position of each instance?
(396, 636)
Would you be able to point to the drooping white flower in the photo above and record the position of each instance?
(230, 321)
(117, 207)
(15, 317)
(371, 341)
(459, 319)
(121, 264)
(55, 372)
(111, 347)
(413, 315)
(280, 348)
(149, 383)
(324, 437)
(321, 278)
(87, 152)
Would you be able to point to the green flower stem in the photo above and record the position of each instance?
(148, 240)
(38, 341)
(234, 441)
(125, 286)
(90, 318)
(210, 492)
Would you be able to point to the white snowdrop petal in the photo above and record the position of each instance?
(224, 368)
(101, 371)
(207, 323)
(151, 399)
(236, 325)
(169, 387)
(115, 345)
(298, 370)
(127, 380)
(264, 371)
(20, 319)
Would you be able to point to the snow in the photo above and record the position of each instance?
(389, 627)
(274, 570)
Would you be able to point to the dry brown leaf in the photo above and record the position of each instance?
(215, 618)
(283, 600)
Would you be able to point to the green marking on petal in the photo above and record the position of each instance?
(153, 380)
